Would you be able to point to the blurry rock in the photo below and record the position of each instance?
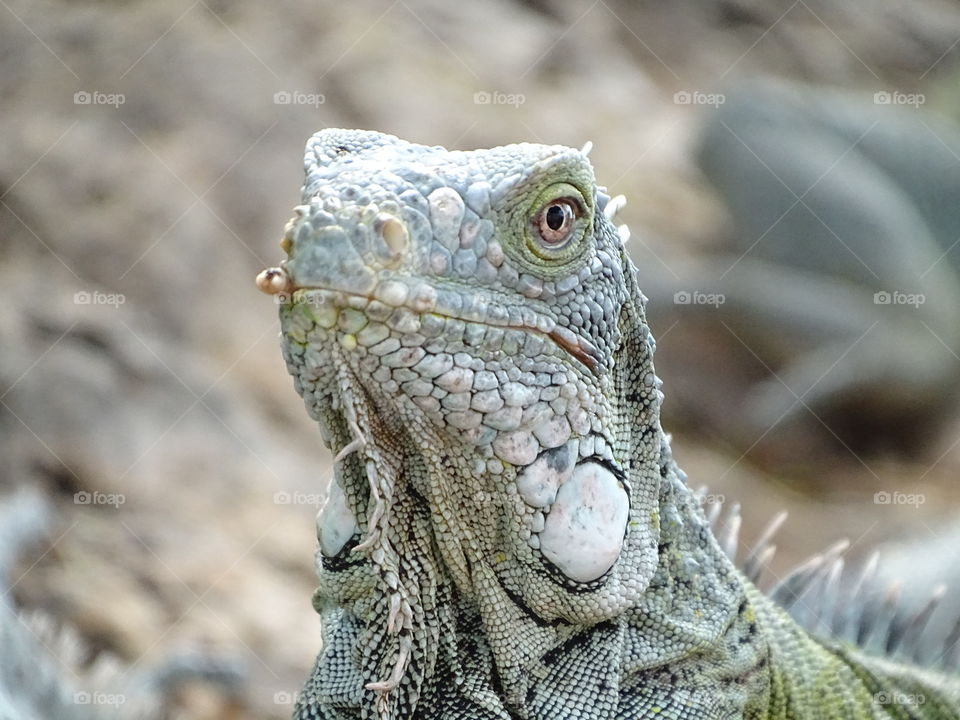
(841, 279)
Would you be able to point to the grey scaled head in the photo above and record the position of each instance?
(483, 303)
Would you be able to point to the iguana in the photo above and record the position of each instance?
(507, 534)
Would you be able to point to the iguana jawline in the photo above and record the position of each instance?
(581, 350)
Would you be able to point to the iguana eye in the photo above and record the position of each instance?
(555, 222)
(554, 227)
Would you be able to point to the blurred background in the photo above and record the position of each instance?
(792, 170)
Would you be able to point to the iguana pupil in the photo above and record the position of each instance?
(556, 223)
(556, 215)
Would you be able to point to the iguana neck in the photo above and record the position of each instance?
(696, 597)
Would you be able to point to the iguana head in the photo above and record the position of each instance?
(506, 535)
(469, 324)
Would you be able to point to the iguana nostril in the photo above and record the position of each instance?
(274, 281)
(394, 234)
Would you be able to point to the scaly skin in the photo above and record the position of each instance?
(507, 535)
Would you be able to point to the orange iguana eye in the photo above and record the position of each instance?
(555, 222)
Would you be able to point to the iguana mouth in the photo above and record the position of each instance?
(426, 300)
